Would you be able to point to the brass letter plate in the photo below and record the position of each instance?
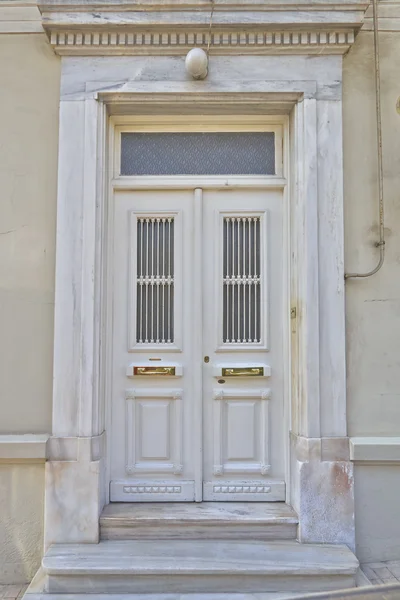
(243, 371)
(154, 371)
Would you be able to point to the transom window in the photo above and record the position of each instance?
(194, 153)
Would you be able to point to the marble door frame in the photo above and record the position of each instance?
(76, 474)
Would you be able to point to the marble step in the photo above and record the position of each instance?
(196, 566)
(36, 591)
(219, 520)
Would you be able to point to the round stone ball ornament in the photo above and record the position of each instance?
(196, 63)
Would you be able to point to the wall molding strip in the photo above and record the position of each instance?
(20, 17)
(375, 449)
(23, 448)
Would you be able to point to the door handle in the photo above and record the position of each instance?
(157, 371)
(242, 371)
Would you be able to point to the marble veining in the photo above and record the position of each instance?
(209, 512)
(198, 557)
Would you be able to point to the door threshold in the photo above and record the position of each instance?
(203, 520)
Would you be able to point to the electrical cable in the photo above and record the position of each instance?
(209, 31)
(381, 243)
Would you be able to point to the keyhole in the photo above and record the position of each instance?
(221, 380)
(206, 359)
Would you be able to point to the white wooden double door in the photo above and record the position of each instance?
(197, 337)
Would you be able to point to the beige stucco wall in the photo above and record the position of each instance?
(28, 171)
(377, 493)
(373, 305)
(21, 521)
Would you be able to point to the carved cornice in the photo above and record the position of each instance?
(96, 28)
(178, 43)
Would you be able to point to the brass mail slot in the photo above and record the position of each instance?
(158, 371)
(243, 371)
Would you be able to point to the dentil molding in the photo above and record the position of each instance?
(178, 43)
(151, 27)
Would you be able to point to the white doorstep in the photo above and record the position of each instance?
(218, 520)
(197, 566)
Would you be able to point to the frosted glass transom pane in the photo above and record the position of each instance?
(198, 153)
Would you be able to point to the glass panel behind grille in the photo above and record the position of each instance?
(241, 280)
(249, 153)
(155, 281)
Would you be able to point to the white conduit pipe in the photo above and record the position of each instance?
(381, 243)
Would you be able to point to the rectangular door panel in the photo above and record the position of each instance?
(154, 431)
(241, 431)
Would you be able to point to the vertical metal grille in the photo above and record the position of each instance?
(155, 281)
(241, 280)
